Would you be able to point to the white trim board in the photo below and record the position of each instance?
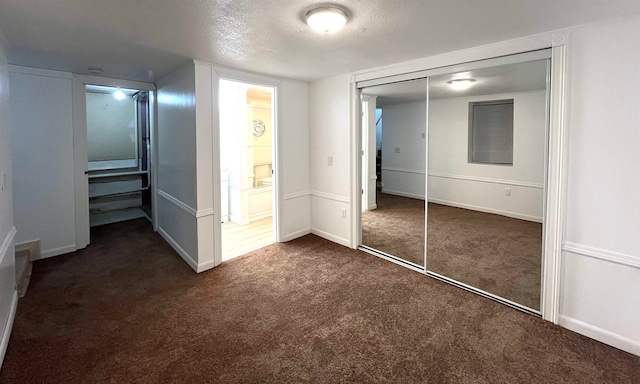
(602, 335)
(113, 82)
(514, 215)
(6, 334)
(602, 254)
(403, 194)
(185, 207)
(7, 243)
(296, 234)
(39, 71)
(179, 250)
(296, 195)
(330, 196)
(44, 254)
(331, 237)
(488, 180)
(467, 178)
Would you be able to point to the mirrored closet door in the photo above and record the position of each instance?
(486, 175)
(393, 170)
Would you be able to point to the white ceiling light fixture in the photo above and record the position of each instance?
(95, 70)
(461, 84)
(327, 19)
(119, 95)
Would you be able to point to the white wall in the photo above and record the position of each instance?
(176, 205)
(8, 294)
(293, 117)
(454, 181)
(402, 128)
(186, 128)
(43, 167)
(111, 127)
(600, 279)
(601, 271)
(330, 136)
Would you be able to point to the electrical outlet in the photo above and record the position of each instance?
(397, 150)
(330, 161)
(344, 213)
(507, 191)
(424, 135)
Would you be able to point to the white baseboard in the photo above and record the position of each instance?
(331, 237)
(8, 327)
(602, 335)
(260, 215)
(58, 251)
(403, 194)
(296, 234)
(514, 215)
(185, 256)
(372, 207)
(206, 266)
(238, 220)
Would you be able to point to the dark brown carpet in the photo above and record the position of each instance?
(129, 310)
(495, 253)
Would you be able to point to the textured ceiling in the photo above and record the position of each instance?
(147, 39)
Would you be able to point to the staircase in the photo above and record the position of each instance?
(25, 254)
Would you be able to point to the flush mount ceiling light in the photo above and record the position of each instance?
(461, 84)
(327, 19)
(119, 95)
(95, 70)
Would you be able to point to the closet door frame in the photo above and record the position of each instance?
(555, 175)
(81, 164)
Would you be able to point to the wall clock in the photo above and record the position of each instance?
(258, 128)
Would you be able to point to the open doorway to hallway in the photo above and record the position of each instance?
(247, 154)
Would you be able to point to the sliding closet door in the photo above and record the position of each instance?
(394, 147)
(486, 171)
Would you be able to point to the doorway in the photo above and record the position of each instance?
(247, 158)
(118, 154)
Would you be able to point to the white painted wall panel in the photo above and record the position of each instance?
(603, 202)
(454, 181)
(179, 228)
(601, 299)
(204, 136)
(296, 213)
(293, 110)
(43, 167)
(330, 135)
(326, 220)
(177, 135)
(329, 119)
(177, 158)
(293, 114)
(449, 130)
(402, 128)
(8, 294)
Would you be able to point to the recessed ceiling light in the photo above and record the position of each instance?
(327, 19)
(95, 70)
(461, 84)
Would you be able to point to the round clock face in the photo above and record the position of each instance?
(258, 128)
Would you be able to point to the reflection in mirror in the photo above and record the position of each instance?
(486, 179)
(393, 169)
